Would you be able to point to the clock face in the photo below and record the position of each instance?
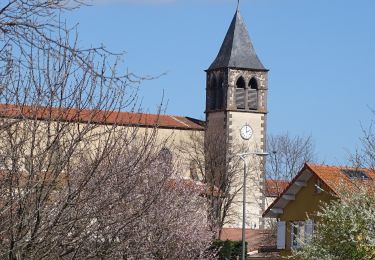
(246, 132)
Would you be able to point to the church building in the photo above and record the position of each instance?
(236, 110)
(236, 106)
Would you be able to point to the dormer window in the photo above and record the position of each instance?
(356, 174)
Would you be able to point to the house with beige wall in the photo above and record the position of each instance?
(169, 131)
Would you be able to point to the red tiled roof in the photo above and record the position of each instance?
(255, 238)
(99, 117)
(333, 177)
(186, 184)
(273, 188)
(200, 187)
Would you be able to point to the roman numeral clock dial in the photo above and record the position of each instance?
(246, 132)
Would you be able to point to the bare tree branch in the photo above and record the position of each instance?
(75, 183)
(287, 155)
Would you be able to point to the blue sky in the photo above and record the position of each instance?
(321, 56)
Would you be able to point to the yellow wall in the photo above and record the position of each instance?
(305, 206)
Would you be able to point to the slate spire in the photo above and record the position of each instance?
(237, 50)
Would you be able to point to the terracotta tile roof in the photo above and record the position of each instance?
(100, 117)
(273, 188)
(186, 184)
(333, 177)
(197, 186)
(255, 238)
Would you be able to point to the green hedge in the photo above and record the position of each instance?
(228, 249)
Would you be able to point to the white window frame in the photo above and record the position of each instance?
(304, 231)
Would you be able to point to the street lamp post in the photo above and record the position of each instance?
(243, 158)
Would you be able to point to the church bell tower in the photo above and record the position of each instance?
(236, 106)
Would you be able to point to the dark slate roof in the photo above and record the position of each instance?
(237, 50)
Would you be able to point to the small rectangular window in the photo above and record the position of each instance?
(318, 186)
(193, 171)
(296, 233)
(301, 233)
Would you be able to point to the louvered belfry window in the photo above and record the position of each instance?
(252, 97)
(219, 94)
(240, 93)
(212, 94)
